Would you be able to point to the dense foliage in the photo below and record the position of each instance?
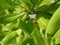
(29, 22)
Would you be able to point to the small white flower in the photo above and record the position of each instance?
(32, 16)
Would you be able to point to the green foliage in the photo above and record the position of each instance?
(29, 22)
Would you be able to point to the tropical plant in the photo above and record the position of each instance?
(29, 22)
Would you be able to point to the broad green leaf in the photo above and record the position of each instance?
(2, 11)
(25, 41)
(4, 4)
(9, 37)
(26, 4)
(14, 41)
(35, 3)
(13, 3)
(10, 3)
(49, 8)
(57, 37)
(9, 18)
(26, 25)
(43, 20)
(37, 37)
(54, 23)
(45, 2)
(53, 26)
(1, 36)
(10, 27)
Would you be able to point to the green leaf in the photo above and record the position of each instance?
(54, 23)
(4, 4)
(10, 3)
(35, 2)
(44, 2)
(9, 37)
(13, 3)
(57, 37)
(1, 36)
(43, 20)
(2, 11)
(9, 18)
(26, 4)
(25, 41)
(53, 26)
(10, 27)
(37, 37)
(49, 8)
(26, 25)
